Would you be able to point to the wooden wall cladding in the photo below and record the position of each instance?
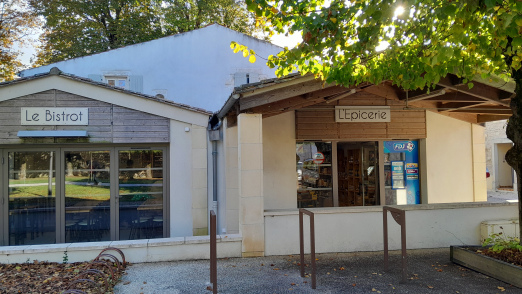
(318, 122)
(108, 123)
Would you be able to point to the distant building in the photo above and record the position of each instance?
(502, 175)
(196, 68)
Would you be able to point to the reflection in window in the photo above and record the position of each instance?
(140, 194)
(87, 196)
(32, 213)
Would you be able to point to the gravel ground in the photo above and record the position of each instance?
(430, 271)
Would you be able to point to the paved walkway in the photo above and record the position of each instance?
(430, 271)
(502, 196)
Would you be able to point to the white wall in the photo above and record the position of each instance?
(181, 180)
(231, 178)
(346, 229)
(449, 159)
(279, 162)
(196, 68)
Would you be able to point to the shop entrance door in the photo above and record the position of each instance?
(357, 168)
(87, 195)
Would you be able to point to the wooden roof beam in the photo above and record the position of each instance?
(482, 118)
(417, 97)
(382, 90)
(499, 110)
(479, 90)
(452, 106)
(454, 97)
(299, 101)
(280, 94)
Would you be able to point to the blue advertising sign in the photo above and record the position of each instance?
(411, 167)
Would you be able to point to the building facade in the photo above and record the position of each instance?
(195, 68)
(83, 161)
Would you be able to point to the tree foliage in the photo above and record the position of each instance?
(186, 15)
(75, 28)
(16, 20)
(342, 43)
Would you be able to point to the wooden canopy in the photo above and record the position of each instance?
(485, 101)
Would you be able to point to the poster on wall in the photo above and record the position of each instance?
(397, 175)
(408, 152)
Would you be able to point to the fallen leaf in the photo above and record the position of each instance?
(501, 289)
(209, 288)
(144, 282)
(374, 290)
(431, 287)
(354, 284)
(293, 284)
(439, 270)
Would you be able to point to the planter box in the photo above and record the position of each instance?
(484, 264)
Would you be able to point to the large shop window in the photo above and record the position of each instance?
(72, 195)
(32, 198)
(140, 194)
(314, 174)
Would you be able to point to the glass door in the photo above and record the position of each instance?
(87, 196)
(141, 194)
(357, 170)
(370, 166)
(32, 197)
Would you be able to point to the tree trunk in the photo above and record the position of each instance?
(514, 133)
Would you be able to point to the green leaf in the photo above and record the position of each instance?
(517, 42)
(450, 10)
(490, 3)
(470, 85)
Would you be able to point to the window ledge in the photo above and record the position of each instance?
(362, 209)
(143, 243)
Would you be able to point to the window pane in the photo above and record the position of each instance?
(87, 196)
(111, 82)
(314, 174)
(32, 206)
(121, 83)
(141, 194)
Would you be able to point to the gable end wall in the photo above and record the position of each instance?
(108, 123)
